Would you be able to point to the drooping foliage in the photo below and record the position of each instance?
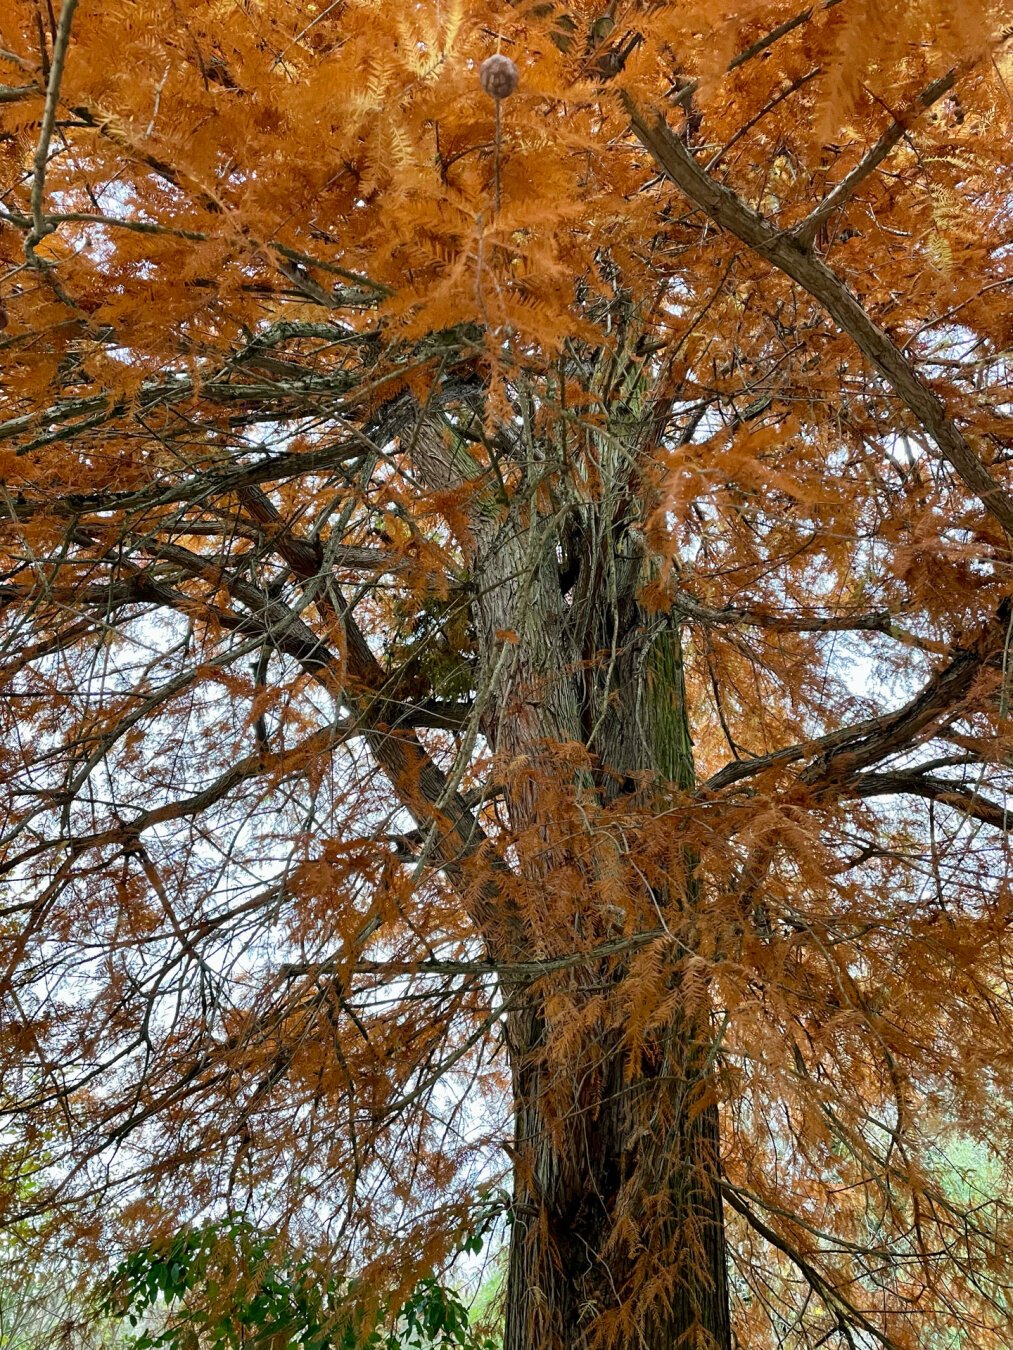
(505, 650)
(226, 1285)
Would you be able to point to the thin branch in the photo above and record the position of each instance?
(831, 1293)
(805, 231)
(775, 34)
(514, 970)
(10, 93)
(876, 621)
(40, 226)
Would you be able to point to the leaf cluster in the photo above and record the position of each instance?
(228, 1284)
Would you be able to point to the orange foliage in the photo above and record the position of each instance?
(505, 649)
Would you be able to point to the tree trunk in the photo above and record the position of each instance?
(582, 1199)
(617, 1236)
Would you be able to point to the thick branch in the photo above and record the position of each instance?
(842, 753)
(421, 786)
(963, 799)
(939, 697)
(785, 252)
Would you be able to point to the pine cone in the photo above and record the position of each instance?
(498, 76)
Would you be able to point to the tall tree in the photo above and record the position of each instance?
(506, 626)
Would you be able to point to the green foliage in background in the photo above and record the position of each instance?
(226, 1285)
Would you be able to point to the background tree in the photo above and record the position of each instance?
(505, 655)
(223, 1285)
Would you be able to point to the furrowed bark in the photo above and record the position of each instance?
(586, 1169)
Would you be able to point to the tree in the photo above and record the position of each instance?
(506, 641)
